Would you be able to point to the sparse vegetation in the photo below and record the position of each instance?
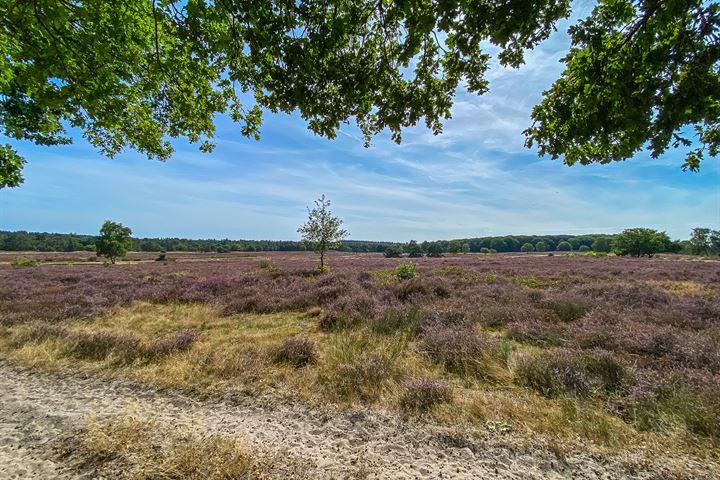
(132, 448)
(24, 262)
(619, 351)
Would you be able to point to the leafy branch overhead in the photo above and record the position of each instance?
(139, 73)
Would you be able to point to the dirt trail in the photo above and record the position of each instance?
(37, 408)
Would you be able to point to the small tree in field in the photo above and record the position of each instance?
(114, 241)
(322, 231)
(527, 248)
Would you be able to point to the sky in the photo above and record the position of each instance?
(475, 179)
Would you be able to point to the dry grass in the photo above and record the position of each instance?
(132, 448)
(239, 354)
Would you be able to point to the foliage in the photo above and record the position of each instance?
(540, 246)
(406, 271)
(564, 247)
(322, 231)
(584, 248)
(434, 250)
(527, 247)
(24, 262)
(639, 242)
(393, 251)
(143, 74)
(414, 250)
(638, 72)
(114, 241)
(601, 244)
(297, 351)
(11, 165)
(162, 256)
(458, 246)
(421, 395)
(704, 241)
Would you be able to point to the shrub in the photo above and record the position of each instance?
(485, 250)
(162, 257)
(99, 345)
(44, 331)
(393, 251)
(398, 319)
(565, 371)
(296, 351)
(420, 395)
(530, 282)
(459, 350)
(364, 377)
(24, 262)
(570, 308)
(406, 271)
(175, 342)
(583, 248)
(536, 332)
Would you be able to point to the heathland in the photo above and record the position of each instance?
(254, 364)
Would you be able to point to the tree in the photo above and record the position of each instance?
(434, 249)
(322, 231)
(393, 251)
(527, 247)
(564, 247)
(458, 246)
(136, 75)
(414, 250)
(583, 248)
(540, 246)
(114, 241)
(700, 241)
(640, 242)
(639, 72)
(715, 242)
(601, 244)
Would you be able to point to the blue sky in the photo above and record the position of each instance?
(475, 179)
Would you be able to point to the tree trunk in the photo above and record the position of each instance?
(322, 261)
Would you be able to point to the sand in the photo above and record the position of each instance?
(37, 409)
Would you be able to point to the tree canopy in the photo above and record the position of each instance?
(638, 72)
(139, 73)
(639, 242)
(114, 241)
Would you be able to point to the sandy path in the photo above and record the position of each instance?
(36, 408)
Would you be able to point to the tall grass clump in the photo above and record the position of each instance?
(297, 351)
(567, 372)
(421, 395)
(361, 366)
(461, 350)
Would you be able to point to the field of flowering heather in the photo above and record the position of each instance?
(616, 351)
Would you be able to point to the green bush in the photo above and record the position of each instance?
(583, 248)
(24, 262)
(393, 251)
(406, 271)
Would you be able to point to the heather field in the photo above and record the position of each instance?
(562, 355)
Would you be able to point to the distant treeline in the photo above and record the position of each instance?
(71, 242)
(703, 241)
